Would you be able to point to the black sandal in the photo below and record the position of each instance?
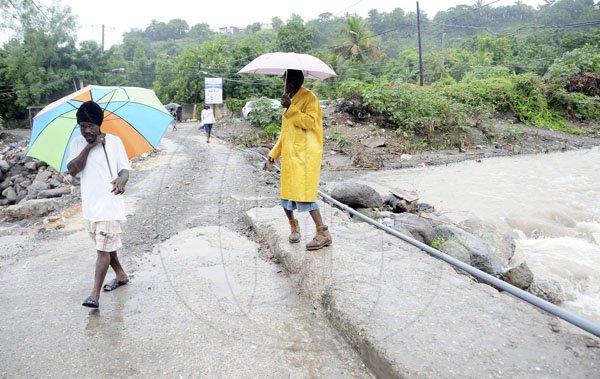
(90, 302)
(114, 284)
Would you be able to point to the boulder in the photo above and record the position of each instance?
(456, 250)
(356, 195)
(5, 184)
(10, 194)
(482, 255)
(43, 176)
(548, 289)
(374, 142)
(519, 276)
(400, 205)
(31, 166)
(4, 166)
(35, 188)
(54, 183)
(403, 230)
(419, 227)
(30, 208)
(502, 243)
(55, 192)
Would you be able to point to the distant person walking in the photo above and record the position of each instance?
(300, 146)
(174, 122)
(207, 118)
(102, 163)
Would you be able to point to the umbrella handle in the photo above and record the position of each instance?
(107, 162)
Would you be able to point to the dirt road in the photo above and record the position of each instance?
(203, 299)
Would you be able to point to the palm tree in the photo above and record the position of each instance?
(357, 43)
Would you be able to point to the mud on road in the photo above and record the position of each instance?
(177, 316)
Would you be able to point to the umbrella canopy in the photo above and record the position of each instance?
(133, 114)
(279, 63)
(172, 106)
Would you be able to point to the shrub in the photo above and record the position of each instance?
(272, 131)
(481, 94)
(487, 72)
(529, 103)
(586, 59)
(263, 113)
(576, 105)
(234, 105)
(409, 106)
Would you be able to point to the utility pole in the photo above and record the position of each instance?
(420, 54)
(102, 37)
(197, 80)
(443, 53)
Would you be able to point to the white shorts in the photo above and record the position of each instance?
(106, 234)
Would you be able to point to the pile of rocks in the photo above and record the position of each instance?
(23, 178)
(473, 242)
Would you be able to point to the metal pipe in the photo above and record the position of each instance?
(523, 295)
(572, 318)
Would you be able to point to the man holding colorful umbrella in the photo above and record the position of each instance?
(102, 163)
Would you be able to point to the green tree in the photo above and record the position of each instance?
(294, 36)
(178, 28)
(38, 60)
(200, 32)
(157, 31)
(358, 41)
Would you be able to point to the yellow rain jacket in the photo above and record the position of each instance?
(300, 146)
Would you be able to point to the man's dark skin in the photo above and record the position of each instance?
(91, 133)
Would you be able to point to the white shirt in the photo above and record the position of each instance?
(207, 116)
(97, 200)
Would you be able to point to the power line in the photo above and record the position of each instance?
(564, 26)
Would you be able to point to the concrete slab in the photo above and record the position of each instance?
(203, 304)
(411, 315)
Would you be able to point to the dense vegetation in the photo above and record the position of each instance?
(477, 60)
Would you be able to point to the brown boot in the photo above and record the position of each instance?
(295, 234)
(322, 239)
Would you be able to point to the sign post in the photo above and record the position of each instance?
(213, 91)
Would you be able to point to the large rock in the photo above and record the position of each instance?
(373, 142)
(356, 195)
(55, 192)
(419, 227)
(519, 276)
(35, 188)
(5, 184)
(4, 166)
(502, 243)
(456, 250)
(482, 255)
(400, 205)
(43, 176)
(548, 289)
(30, 208)
(10, 194)
(31, 166)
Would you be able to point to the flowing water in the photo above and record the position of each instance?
(550, 202)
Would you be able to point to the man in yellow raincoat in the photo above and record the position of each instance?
(300, 146)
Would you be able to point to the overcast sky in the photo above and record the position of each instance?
(120, 16)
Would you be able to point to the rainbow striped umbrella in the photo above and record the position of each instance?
(134, 114)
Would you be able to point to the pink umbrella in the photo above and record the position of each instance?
(279, 63)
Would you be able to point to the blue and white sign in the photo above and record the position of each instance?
(213, 91)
